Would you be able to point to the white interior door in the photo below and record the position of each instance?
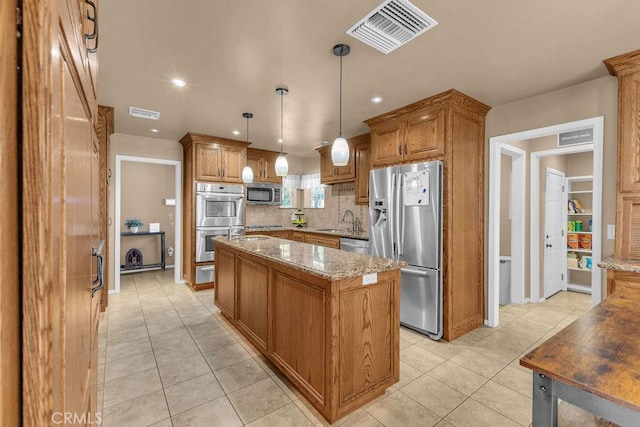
(554, 250)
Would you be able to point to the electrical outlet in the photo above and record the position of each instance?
(370, 279)
(611, 231)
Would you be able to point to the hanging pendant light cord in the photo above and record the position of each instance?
(340, 131)
(281, 115)
(247, 157)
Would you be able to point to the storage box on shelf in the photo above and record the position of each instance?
(448, 127)
(579, 191)
(206, 159)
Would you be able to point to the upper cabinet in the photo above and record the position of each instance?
(407, 135)
(330, 174)
(363, 166)
(215, 159)
(263, 164)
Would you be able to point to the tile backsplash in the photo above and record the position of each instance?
(338, 198)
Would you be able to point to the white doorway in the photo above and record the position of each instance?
(554, 244)
(177, 272)
(497, 145)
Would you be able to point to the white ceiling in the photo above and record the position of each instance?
(232, 54)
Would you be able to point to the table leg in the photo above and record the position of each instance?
(162, 260)
(545, 402)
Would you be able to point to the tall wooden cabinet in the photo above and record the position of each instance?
(362, 150)
(627, 68)
(206, 159)
(448, 127)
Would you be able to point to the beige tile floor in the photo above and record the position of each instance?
(168, 358)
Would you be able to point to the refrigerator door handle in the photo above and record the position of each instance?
(392, 217)
(402, 218)
(416, 272)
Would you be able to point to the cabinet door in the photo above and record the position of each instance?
(327, 170)
(629, 133)
(346, 173)
(233, 161)
(225, 279)
(256, 167)
(424, 135)
(386, 146)
(208, 162)
(269, 168)
(362, 173)
(252, 290)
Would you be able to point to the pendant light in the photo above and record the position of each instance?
(247, 172)
(340, 148)
(282, 166)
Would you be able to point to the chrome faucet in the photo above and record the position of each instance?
(355, 222)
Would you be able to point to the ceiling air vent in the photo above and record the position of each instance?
(144, 114)
(391, 25)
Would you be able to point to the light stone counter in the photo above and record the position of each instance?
(328, 263)
(620, 264)
(362, 235)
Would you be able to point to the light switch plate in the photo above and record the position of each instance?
(370, 279)
(611, 231)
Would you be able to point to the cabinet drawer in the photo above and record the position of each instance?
(329, 242)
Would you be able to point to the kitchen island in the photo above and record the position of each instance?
(329, 320)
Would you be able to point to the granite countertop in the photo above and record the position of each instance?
(328, 263)
(620, 264)
(362, 235)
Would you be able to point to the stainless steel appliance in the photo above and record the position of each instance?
(405, 208)
(263, 194)
(219, 212)
(354, 245)
(219, 205)
(205, 243)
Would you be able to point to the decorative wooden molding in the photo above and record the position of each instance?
(451, 97)
(191, 137)
(256, 153)
(623, 64)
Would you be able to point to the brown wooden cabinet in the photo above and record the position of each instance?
(215, 159)
(206, 159)
(363, 166)
(627, 244)
(330, 174)
(414, 135)
(225, 295)
(263, 164)
(302, 236)
(448, 127)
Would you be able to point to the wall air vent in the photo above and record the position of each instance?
(144, 114)
(392, 24)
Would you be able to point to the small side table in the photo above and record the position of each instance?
(148, 267)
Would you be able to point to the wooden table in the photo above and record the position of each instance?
(594, 364)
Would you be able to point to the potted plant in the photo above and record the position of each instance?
(133, 224)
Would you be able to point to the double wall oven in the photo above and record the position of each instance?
(219, 212)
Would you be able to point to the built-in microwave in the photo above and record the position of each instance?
(263, 194)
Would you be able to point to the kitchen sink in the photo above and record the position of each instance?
(333, 230)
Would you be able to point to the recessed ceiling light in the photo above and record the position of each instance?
(376, 99)
(235, 132)
(325, 142)
(280, 140)
(178, 82)
(154, 130)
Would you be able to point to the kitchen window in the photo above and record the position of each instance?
(313, 191)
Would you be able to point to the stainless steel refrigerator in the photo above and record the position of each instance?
(405, 208)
